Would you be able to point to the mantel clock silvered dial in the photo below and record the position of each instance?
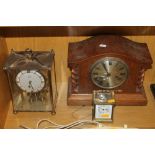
(109, 72)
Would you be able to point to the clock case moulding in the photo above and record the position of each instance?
(82, 55)
(44, 63)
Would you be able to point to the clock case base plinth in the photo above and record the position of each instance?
(122, 99)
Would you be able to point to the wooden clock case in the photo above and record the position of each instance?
(82, 55)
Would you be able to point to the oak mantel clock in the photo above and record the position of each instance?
(32, 80)
(108, 63)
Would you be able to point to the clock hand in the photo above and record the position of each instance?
(104, 66)
(30, 85)
(101, 109)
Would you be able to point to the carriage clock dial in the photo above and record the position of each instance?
(30, 81)
(103, 112)
(109, 72)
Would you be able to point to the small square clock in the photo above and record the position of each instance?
(103, 103)
(103, 112)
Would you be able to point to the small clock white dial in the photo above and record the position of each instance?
(30, 81)
(103, 111)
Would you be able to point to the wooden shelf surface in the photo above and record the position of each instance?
(133, 116)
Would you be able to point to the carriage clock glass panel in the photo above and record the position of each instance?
(32, 79)
(109, 72)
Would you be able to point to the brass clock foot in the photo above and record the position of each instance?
(53, 113)
(14, 112)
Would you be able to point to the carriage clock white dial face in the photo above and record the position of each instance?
(30, 81)
(109, 72)
(103, 111)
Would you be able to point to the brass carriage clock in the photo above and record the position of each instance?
(32, 80)
(108, 62)
(103, 103)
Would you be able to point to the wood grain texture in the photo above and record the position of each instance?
(48, 31)
(4, 87)
(133, 116)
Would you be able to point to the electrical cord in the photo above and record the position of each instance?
(59, 126)
(77, 123)
(72, 125)
(24, 127)
(55, 125)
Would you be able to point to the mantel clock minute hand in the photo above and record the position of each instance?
(104, 66)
